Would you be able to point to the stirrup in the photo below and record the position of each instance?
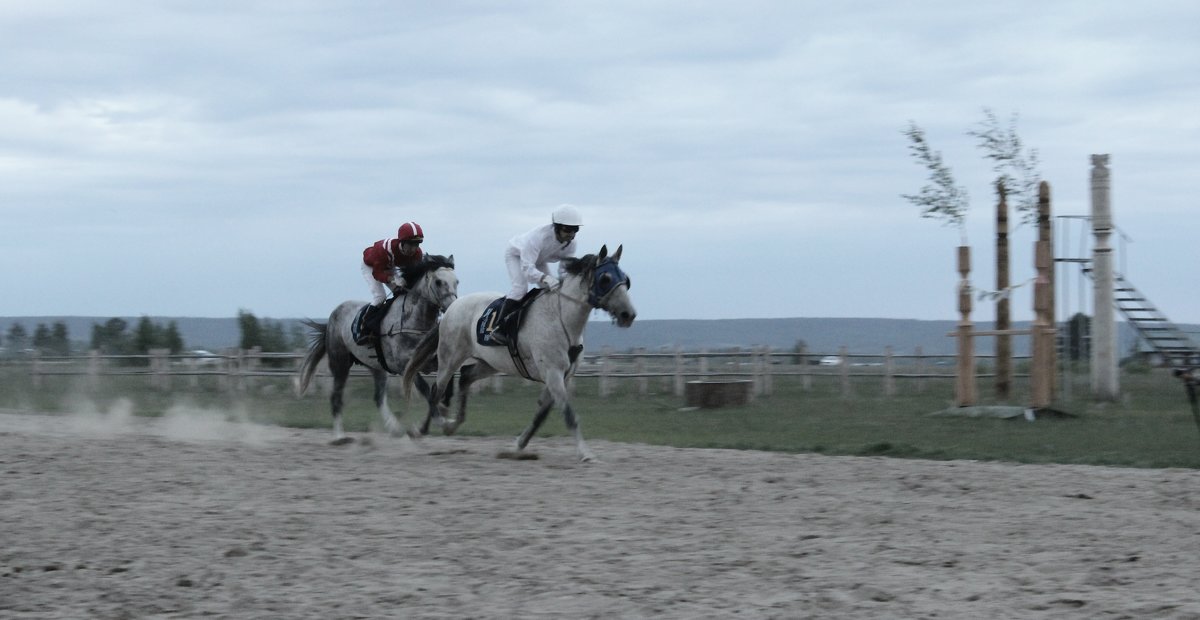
(498, 336)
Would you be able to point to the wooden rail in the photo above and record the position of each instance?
(673, 370)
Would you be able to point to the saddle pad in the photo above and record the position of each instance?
(482, 336)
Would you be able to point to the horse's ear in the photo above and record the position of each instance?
(616, 257)
(603, 253)
(450, 259)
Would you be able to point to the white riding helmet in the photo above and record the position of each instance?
(567, 215)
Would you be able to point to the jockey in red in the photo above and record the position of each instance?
(381, 265)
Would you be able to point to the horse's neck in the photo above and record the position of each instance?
(419, 312)
(568, 305)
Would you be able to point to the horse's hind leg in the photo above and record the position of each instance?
(467, 375)
(426, 392)
(336, 402)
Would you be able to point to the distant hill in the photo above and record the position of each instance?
(821, 335)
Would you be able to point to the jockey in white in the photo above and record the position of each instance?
(528, 257)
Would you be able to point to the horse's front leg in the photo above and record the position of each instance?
(389, 419)
(585, 453)
(545, 402)
(554, 394)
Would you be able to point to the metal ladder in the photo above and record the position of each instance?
(1154, 327)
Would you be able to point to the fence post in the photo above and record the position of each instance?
(160, 378)
(93, 371)
(35, 368)
(920, 371)
(805, 371)
(678, 371)
(605, 370)
(845, 368)
(639, 367)
(703, 363)
(889, 376)
(236, 366)
(769, 374)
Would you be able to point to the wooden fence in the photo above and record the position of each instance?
(671, 371)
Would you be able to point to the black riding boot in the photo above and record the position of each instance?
(498, 324)
(370, 324)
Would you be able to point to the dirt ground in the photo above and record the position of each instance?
(188, 516)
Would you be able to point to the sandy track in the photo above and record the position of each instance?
(177, 518)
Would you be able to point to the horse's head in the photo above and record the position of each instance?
(436, 280)
(607, 285)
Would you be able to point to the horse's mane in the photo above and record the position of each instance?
(576, 266)
(431, 262)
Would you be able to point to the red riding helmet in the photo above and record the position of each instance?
(410, 231)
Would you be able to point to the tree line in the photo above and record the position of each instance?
(117, 337)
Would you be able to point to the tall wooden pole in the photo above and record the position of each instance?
(964, 387)
(1003, 318)
(1042, 377)
(1105, 379)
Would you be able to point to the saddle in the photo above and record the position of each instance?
(509, 326)
(356, 326)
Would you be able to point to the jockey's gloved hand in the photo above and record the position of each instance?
(548, 281)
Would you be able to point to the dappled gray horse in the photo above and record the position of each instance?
(408, 319)
(549, 342)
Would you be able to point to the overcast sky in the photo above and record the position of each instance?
(197, 158)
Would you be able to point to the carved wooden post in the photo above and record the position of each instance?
(1105, 379)
(1045, 234)
(1003, 320)
(1042, 377)
(964, 387)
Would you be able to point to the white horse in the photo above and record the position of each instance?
(410, 317)
(548, 342)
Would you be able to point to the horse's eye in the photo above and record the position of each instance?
(605, 280)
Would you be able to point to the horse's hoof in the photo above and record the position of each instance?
(341, 441)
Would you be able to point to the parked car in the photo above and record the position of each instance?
(831, 360)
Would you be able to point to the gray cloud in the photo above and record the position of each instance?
(749, 155)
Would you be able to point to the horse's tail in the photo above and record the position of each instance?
(316, 351)
(424, 351)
